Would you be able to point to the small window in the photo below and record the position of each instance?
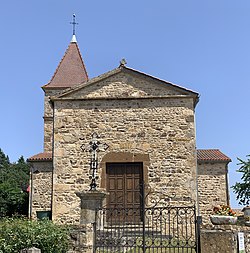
(43, 215)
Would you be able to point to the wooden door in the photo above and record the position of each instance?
(124, 188)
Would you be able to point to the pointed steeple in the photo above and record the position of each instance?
(71, 70)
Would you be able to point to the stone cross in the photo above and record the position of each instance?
(94, 147)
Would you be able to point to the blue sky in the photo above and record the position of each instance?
(201, 45)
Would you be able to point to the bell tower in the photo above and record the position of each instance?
(71, 71)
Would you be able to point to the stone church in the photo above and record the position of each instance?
(147, 129)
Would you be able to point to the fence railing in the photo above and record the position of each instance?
(157, 229)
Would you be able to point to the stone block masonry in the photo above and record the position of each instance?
(41, 187)
(159, 128)
(212, 185)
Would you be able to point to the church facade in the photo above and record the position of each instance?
(147, 128)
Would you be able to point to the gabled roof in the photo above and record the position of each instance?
(125, 69)
(70, 71)
(211, 155)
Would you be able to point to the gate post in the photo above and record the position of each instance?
(90, 202)
(198, 231)
(143, 217)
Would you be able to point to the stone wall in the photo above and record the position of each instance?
(159, 128)
(214, 241)
(41, 188)
(212, 187)
(224, 238)
(48, 118)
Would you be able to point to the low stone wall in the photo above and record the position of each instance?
(82, 239)
(223, 238)
(215, 241)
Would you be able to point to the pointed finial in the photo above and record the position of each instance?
(74, 24)
(122, 62)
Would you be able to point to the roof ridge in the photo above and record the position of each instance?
(85, 70)
(161, 80)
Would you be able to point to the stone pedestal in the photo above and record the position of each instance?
(90, 201)
(83, 235)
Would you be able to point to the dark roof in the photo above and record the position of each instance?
(45, 156)
(70, 71)
(211, 155)
(203, 155)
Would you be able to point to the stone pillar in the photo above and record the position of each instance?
(90, 201)
(83, 235)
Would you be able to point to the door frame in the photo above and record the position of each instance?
(125, 157)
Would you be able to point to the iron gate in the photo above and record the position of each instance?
(159, 229)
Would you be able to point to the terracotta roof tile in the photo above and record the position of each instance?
(211, 155)
(203, 155)
(70, 71)
(45, 156)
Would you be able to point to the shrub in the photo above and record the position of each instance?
(19, 233)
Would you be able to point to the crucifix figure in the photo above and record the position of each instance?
(74, 24)
(94, 147)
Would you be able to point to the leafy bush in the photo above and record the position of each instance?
(19, 233)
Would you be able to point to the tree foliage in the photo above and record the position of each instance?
(4, 160)
(17, 234)
(14, 180)
(242, 189)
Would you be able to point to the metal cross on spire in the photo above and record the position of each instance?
(94, 147)
(74, 24)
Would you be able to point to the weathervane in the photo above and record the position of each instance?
(74, 24)
(94, 147)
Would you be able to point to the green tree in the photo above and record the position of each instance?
(242, 189)
(14, 180)
(4, 160)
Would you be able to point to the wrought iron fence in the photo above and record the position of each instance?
(154, 229)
